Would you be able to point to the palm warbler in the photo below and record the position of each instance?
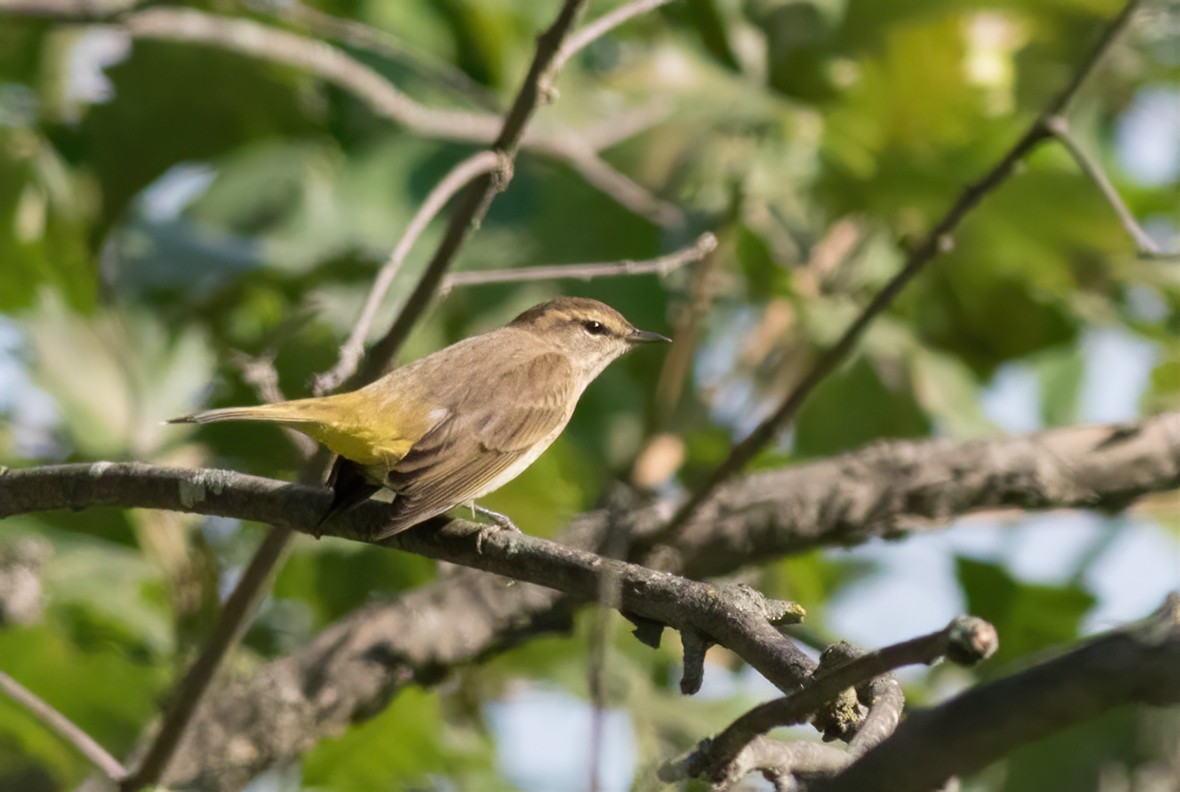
(462, 422)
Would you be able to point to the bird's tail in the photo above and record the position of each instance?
(343, 422)
(300, 411)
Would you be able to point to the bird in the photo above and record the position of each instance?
(458, 424)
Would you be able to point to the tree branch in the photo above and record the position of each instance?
(883, 490)
(380, 42)
(889, 489)
(1139, 664)
(620, 187)
(62, 726)
(603, 25)
(663, 265)
(939, 239)
(1058, 127)
(737, 616)
(84, 10)
(278, 46)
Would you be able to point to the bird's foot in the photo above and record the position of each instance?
(500, 522)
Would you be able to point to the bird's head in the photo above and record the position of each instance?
(590, 333)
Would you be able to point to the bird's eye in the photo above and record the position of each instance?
(594, 328)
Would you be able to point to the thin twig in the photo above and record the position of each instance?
(352, 349)
(660, 266)
(965, 640)
(788, 765)
(602, 135)
(678, 361)
(938, 240)
(1058, 126)
(608, 601)
(260, 373)
(610, 594)
(63, 726)
(610, 181)
(380, 42)
(332, 64)
(595, 30)
(778, 761)
(97, 10)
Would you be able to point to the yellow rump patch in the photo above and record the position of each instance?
(363, 447)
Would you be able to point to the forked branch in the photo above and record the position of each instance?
(966, 640)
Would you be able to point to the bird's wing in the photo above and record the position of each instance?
(483, 434)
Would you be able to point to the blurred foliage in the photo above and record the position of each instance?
(164, 206)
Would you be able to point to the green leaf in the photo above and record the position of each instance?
(1163, 392)
(1030, 617)
(115, 376)
(405, 746)
(1060, 374)
(155, 118)
(335, 577)
(949, 392)
(814, 579)
(764, 275)
(854, 407)
(45, 214)
(1085, 756)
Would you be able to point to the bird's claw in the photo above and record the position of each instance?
(500, 522)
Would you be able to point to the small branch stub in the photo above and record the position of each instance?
(695, 646)
(971, 640)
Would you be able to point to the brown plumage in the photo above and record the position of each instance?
(460, 423)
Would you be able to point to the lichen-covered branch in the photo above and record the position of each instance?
(884, 490)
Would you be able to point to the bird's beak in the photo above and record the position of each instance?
(647, 337)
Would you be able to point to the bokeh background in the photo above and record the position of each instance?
(166, 207)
